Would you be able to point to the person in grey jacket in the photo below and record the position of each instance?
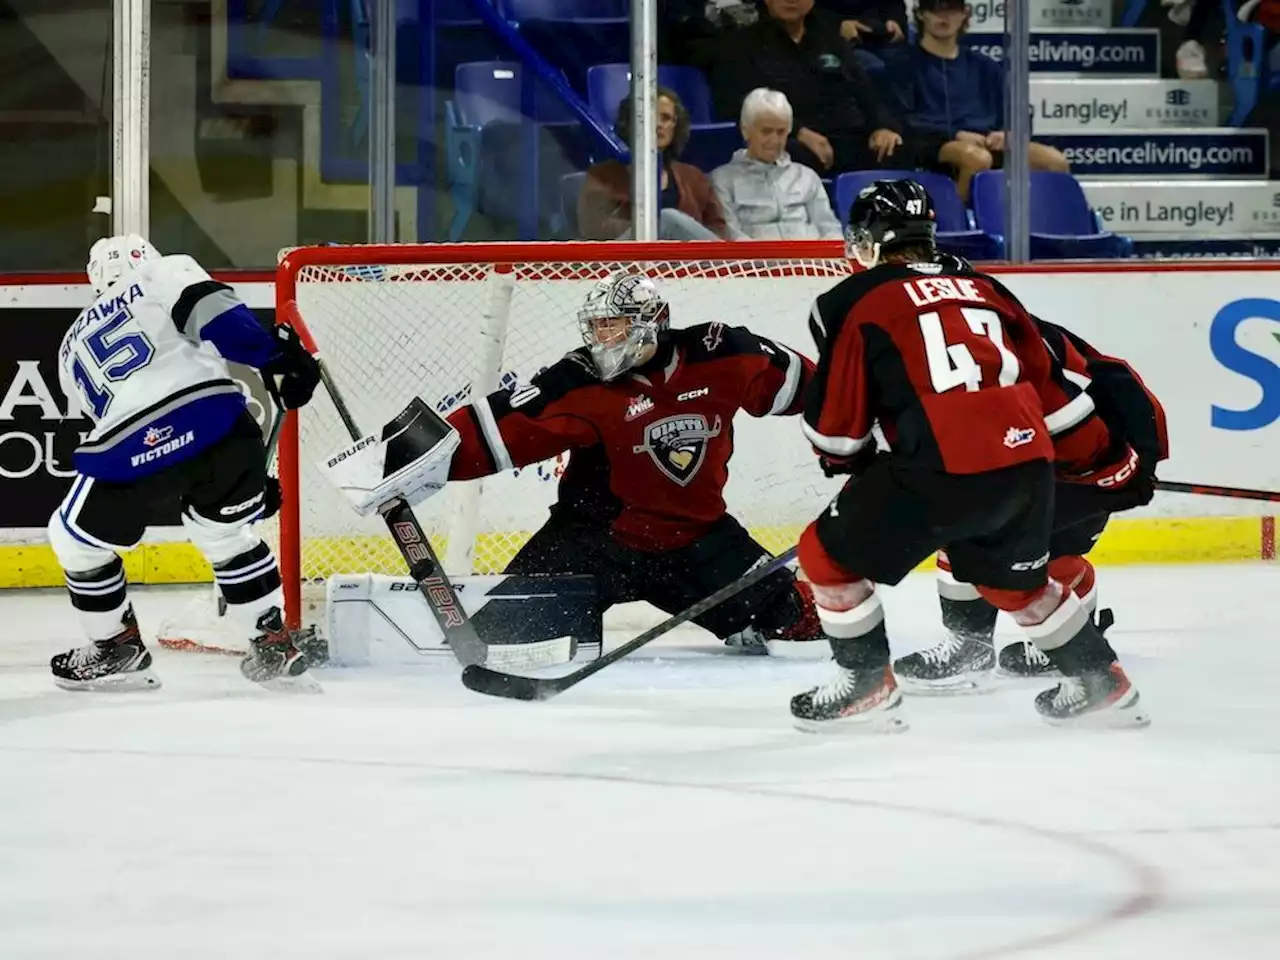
(764, 195)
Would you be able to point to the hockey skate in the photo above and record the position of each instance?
(275, 661)
(1101, 698)
(1022, 658)
(117, 664)
(856, 701)
(956, 665)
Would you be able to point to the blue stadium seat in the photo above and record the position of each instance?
(495, 155)
(1063, 225)
(609, 83)
(955, 232)
(710, 144)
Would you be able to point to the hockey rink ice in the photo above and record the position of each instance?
(664, 808)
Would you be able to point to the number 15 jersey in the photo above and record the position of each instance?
(147, 361)
(954, 372)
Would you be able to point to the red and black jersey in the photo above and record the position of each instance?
(953, 370)
(650, 449)
(1126, 405)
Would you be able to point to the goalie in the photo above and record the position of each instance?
(647, 412)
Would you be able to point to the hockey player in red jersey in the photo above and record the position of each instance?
(963, 388)
(965, 659)
(647, 413)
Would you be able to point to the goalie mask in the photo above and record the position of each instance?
(620, 321)
(888, 214)
(112, 257)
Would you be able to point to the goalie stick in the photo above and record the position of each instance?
(406, 531)
(496, 684)
(1210, 490)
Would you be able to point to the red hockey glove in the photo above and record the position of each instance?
(1118, 468)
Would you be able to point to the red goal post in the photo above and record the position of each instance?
(455, 321)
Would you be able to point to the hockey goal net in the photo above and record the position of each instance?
(450, 322)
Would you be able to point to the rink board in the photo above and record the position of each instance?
(1206, 336)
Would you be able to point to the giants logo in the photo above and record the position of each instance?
(678, 445)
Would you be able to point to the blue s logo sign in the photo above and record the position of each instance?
(1264, 372)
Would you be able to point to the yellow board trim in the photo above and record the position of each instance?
(1145, 540)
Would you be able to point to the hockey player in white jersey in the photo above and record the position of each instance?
(148, 362)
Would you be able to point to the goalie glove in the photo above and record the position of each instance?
(409, 461)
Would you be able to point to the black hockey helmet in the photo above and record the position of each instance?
(888, 214)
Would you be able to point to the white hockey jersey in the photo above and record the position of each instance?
(148, 363)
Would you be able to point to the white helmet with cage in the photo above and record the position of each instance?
(628, 296)
(112, 257)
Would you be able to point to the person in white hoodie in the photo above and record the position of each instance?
(764, 195)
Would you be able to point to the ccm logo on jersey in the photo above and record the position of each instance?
(351, 450)
(694, 394)
(157, 438)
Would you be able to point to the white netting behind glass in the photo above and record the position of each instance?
(452, 331)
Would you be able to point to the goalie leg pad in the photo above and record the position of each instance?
(528, 622)
(408, 461)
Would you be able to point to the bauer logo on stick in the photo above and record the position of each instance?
(678, 445)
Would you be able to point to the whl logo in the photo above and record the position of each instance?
(156, 435)
(639, 407)
(1177, 98)
(1015, 437)
(1251, 359)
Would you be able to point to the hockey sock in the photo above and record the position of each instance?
(250, 583)
(100, 599)
(858, 637)
(1058, 623)
(964, 612)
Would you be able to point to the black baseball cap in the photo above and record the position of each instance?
(937, 6)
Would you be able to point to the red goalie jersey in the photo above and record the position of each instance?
(651, 448)
(953, 370)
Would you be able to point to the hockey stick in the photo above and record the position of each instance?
(495, 684)
(1210, 490)
(406, 531)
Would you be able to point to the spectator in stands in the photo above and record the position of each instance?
(953, 97)
(688, 210)
(764, 195)
(872, 26)
(841, 122)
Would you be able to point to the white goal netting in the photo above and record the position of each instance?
(452, 322)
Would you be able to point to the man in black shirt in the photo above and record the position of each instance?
(841, 123)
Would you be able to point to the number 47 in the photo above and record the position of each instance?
(952, 365)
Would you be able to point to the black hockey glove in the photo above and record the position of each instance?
(853, 465)
(294, 373)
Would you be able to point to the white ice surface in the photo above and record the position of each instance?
(664, 808)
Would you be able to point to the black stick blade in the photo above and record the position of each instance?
(495, 684)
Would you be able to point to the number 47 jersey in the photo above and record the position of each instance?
(954, 372)
(147, 361)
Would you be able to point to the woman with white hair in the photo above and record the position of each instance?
(764, 195)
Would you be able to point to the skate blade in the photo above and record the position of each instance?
(1125, 714)
(304, 684)
(881, 723)
(885, 719)
(114, 683)
(966, 685)
(812, 650)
